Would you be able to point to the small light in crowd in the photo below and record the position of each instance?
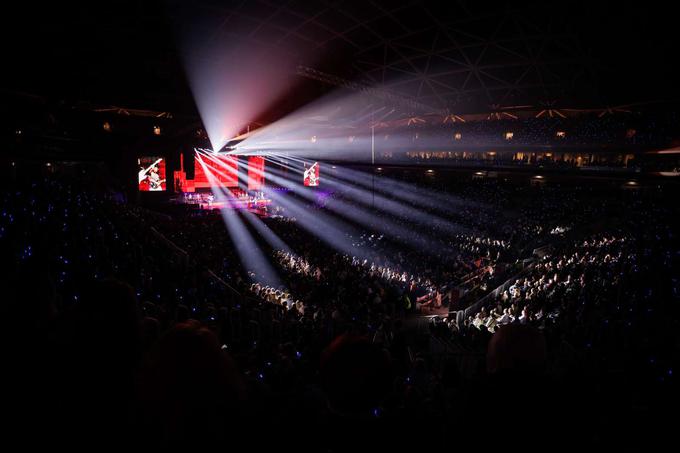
(156, 130)
(509, 135)
(479, 173)
(538, 177)
(313, 139)
(561, 134)
(457, 136)
(632, 183)
(333, 166)
(48, 164)
(379, 168)
(106, 126)
(430, 171)
(18, 132)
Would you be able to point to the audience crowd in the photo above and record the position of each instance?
(126, 324)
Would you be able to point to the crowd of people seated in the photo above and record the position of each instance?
(557, 281)
(618, 128)
(123, 323)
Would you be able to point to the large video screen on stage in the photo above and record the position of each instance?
(151, 174)
(311, 175)
(222, 167)
(255, 172)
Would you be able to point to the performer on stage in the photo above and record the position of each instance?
(149, 179)
(311, 175)
(155, 181)
(143, 171)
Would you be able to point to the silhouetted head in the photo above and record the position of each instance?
(355, 375)
(190, 386)
(107, 320)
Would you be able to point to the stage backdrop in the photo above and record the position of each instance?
(223, 167)
(255, 172)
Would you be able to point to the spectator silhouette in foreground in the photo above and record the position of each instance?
(356, 377)
(93, 364)
(516, 391)
(191, 391)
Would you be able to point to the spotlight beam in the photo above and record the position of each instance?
(333, 232)
(363, 217)
(388, 205)
(404, 191)
(251, 256)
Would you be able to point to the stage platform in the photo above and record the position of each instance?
(205, 201)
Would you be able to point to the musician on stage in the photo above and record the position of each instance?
(155, 181)
(149, 178)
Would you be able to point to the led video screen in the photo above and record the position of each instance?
(151, 174)
(311, 175)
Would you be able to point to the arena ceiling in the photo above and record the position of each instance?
(458, 56)
(442, 54)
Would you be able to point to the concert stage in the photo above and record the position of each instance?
(255, 203)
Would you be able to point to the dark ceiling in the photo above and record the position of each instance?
(458, 55)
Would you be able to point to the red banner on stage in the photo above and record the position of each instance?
(255, 172)
(223, 167)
